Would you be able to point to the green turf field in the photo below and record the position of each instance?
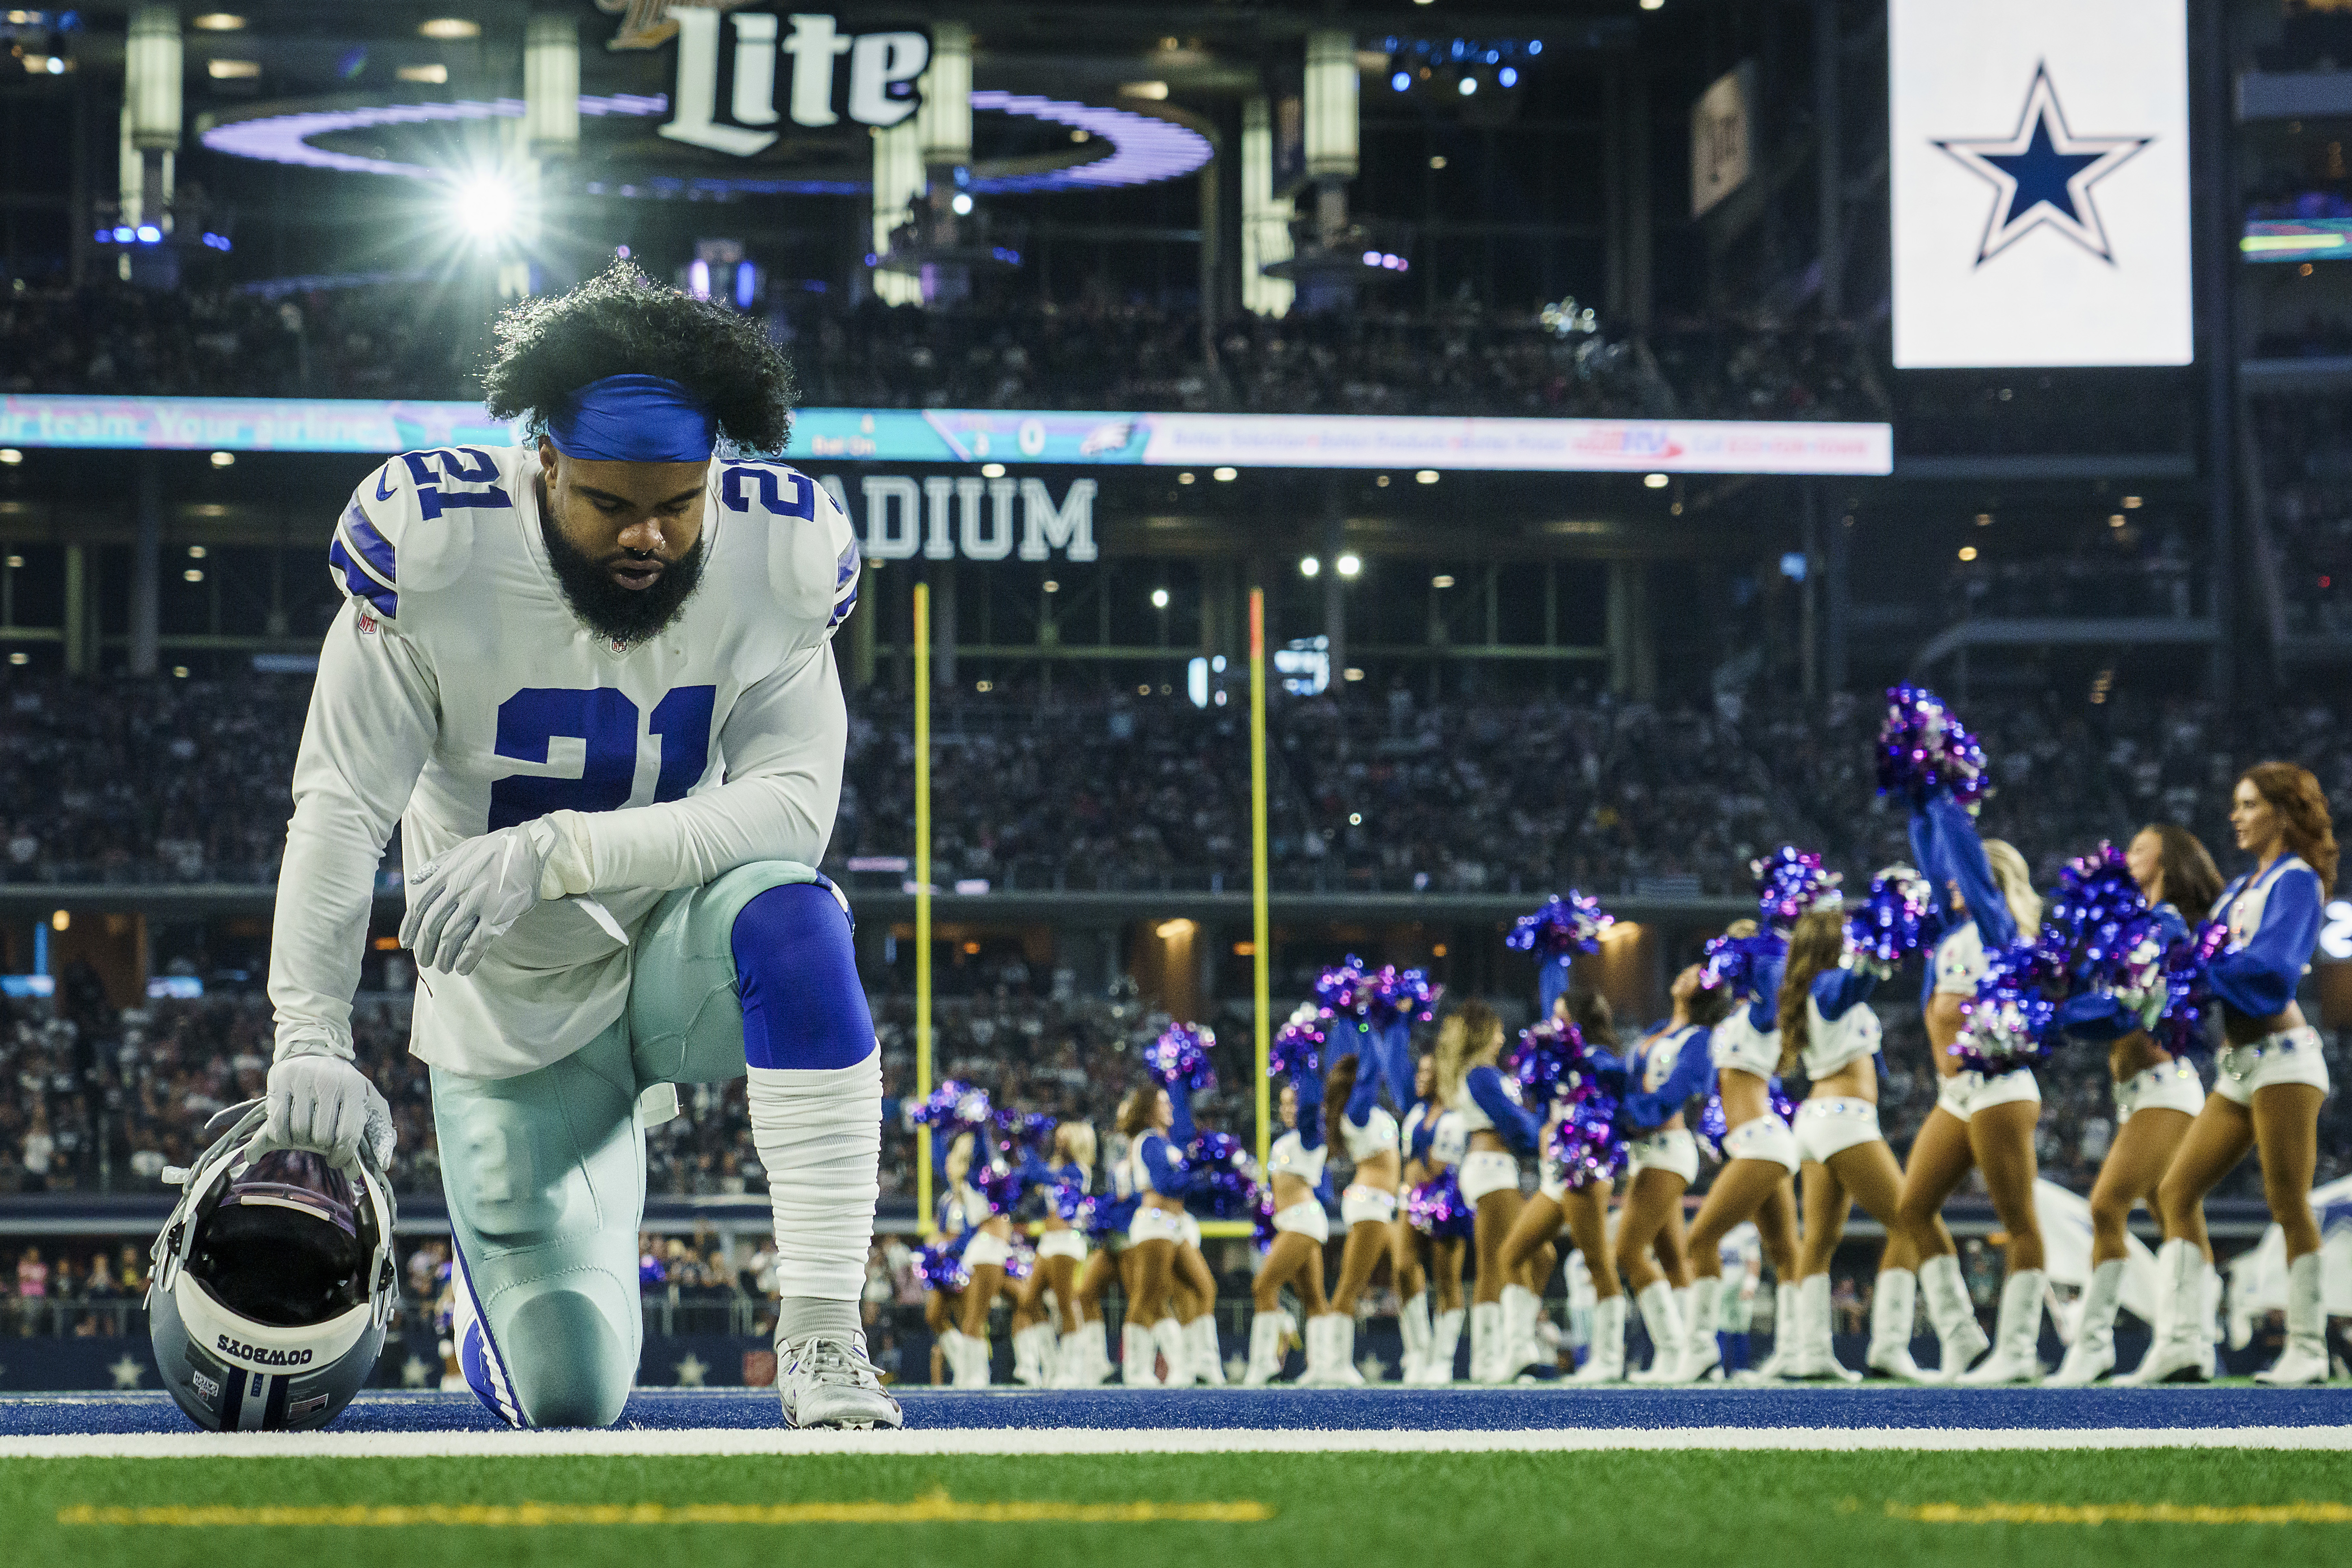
(1756, 1510)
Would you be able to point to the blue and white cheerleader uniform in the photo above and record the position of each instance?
(1944, 838)
(2274, 915)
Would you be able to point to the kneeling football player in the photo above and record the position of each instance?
(591, 679)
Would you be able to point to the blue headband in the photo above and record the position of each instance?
(633, 419)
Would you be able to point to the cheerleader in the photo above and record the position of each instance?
(1413, 1321)
(1157, 1124)
(1194, 1299)
(1086, 1363)
(986, 1255)
(1293, 1169)
(1368, 1205)
(2269, 1082)
(1667, 1067)
(1741, 1257)
(1468, 1043)
(1040, 1337)
(1583, 1211)
(1980, 1122)
(1826, 1023)
(1759, 1169)
(2158, 1094)
(943, 1303)
(1435, 1141)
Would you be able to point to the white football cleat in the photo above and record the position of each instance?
(825, 1380)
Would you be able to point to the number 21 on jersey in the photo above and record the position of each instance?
(605, 721)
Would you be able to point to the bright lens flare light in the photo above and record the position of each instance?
(485, 207)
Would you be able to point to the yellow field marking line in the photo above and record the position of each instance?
(2122, 1513)
(931, 1507)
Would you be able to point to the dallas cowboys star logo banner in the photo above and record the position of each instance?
(2040, 163)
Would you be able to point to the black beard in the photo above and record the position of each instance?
(626, 616)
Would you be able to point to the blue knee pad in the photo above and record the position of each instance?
(796, 972)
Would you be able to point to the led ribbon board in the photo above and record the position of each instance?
(2040, 163)
(961, 435)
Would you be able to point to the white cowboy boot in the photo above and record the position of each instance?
(1893, 1307)
(2092, 1354)
(2304, 1358)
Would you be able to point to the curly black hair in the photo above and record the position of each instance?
(620, 322)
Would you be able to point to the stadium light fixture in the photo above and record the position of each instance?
(12, 457)
(960, 204)
(1351, 673)
(16, 563)
(1349, 565)
(198, 553)
(1309, 567)
(1968, 553)
(1185, 477)
(1355, 819)
(232, 70)
(434, 74)
(1158, 598)
(1443, 579)
(1655, 481)
(446, 28)
(1052, 586)
(1427, 477)
(217, 22)
(485, 209)
(1467, 86)
(20, 658)
(224, 459)
(61, 920)
(2117, 520)
(991, 470)
(1226, 476)
(2132, 503)
(1653, 5)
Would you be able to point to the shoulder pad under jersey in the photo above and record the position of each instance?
(812, 557)
(410, 526)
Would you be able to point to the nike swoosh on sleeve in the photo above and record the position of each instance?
(383, 490)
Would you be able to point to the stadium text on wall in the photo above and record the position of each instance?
(946, 518)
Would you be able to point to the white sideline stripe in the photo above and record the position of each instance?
(1090, 1441)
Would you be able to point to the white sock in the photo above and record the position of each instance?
(818, 1132)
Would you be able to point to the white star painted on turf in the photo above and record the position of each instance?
(1236, 1368)
(690, 1372)
(127, 1372)
(2059, 168)
(1374, 1369)
(413, 1372)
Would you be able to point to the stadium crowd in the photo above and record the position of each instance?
(384, 340)
(2306, 443)
(1370, 793)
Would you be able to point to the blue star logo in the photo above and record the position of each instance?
(2042, 174)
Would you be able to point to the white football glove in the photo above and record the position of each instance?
(461, 901)
(324, 1104)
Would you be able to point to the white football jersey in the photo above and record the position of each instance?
(459, 693)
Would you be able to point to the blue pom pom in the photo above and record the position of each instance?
(1219, 1166)
(940, 1266)
(1298, 1045)
(1435, 1207)
(1563, 926)
(1405, 996)
(2185, 1025)
(1895, 919)
(1582, 1144)
(1262, 1231)
(954, 1104)
(1739, 962)
(1548, 1057)
(2008, 1023)
(1790, 883)
(1923, 748)
(1345, 988)
(1180, 1054)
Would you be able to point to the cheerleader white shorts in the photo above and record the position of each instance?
(984, 1250)
(2291, 1056)
(1306, 1217)
(1965, 1094)
(1360, 1205)
(1067, 1244)
(2166, 1086)
(1151, 1223)
(1675, 1152)
(1765, 1138)
(1188, 1232)
(1485, 1171)
(1832, 1125)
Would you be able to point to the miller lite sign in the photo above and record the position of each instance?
(773, 70)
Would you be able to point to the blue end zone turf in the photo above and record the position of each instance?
(1329, 1410)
